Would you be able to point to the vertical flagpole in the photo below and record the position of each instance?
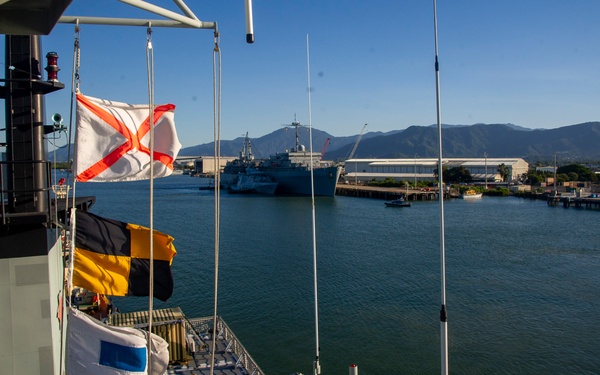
(443, 313)
(316, 364)
(217, 152)
(150, 62)
(74, 90)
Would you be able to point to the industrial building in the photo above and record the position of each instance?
(205, 165)
(481, 169)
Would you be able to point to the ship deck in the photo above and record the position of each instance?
(229, 359)
(190, 342)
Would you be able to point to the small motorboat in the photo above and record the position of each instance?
(471, 194)
(400, 202)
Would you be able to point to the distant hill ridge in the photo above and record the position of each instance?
(578, 142)
(575, 142)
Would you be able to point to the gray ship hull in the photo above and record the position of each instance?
(297, 181)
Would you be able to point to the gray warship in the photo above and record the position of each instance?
(291, 169)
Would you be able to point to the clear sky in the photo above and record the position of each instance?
(532, 63)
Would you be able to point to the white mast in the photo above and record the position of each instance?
(443, 313)
(316, 363)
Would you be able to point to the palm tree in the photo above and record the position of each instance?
(504, 172)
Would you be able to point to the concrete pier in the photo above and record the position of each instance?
(387, 193)
(569, 201)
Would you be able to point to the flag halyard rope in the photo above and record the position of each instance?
(68, 283)
(150, 68)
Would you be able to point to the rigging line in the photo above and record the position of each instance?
(316, 364)
(443, 313)
(73, 228)
(57, 231)
(69, 282)
(150, 68)
(74, 90)
(69, 276)
(217, 65)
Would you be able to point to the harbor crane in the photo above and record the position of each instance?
(356, 143)
(325, 147)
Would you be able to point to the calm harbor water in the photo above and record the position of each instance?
(523, 279)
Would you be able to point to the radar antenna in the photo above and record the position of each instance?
(296, 125)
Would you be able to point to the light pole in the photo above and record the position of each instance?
(485, 155)
(415, 171)
(355, 172)
(555, 193)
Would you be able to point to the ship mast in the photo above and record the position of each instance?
(296, 125)
(246, 152)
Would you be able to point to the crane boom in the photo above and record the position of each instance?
(356, 143)
(325, 147)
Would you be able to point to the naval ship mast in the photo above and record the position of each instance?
(296, 125)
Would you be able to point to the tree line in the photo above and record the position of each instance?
(461, 175)
(570, 172)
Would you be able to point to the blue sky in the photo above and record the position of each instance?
(532, 63)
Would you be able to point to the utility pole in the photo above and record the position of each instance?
(555, 192)
(485, 155)
(415, 171)
(355, 172)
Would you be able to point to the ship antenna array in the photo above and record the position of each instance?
(316, 363)
(297, 125)
(443, 312)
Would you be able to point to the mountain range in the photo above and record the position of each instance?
(577, 143)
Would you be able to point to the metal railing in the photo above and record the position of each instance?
(37, 198)
(234, 345)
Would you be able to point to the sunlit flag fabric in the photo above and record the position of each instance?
(95, 348)
(113, 258)
(113, 140)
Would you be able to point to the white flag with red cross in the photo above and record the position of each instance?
(113, 141)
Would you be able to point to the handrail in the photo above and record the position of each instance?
(6, 206)
(234, 344)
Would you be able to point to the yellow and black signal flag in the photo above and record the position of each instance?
(113, 258)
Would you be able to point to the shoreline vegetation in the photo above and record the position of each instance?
(572, 179)
(426, 191)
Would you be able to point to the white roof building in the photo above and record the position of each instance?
(481, 169)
